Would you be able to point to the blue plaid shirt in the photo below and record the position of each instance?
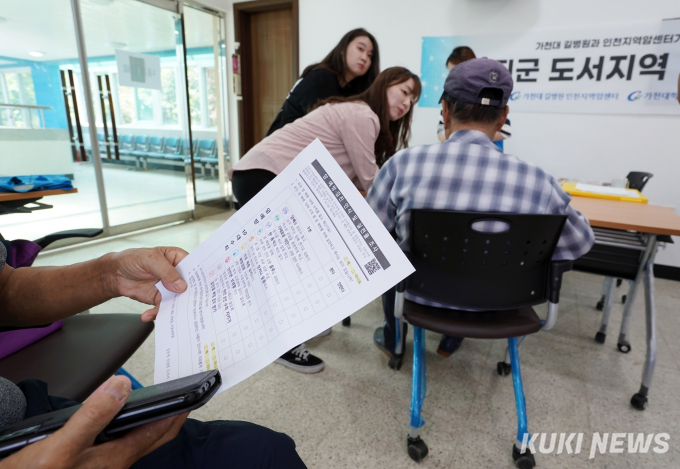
(469, 173)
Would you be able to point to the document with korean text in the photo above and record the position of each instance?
(301, 256)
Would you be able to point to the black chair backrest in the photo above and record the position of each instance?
(637, 179)
(460, 263)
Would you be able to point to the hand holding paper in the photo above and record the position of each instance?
(302, 255)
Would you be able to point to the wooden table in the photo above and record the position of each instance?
(15, 202)
(652, 224)
(634, 216)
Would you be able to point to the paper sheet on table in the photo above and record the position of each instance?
(605, 190)
(301, 256)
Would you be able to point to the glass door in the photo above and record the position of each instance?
(38, 132)
(206, 71)
(135, 57)
(153, 75)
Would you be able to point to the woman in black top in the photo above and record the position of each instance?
(349, 69)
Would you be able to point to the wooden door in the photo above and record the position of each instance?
(266, 32)
(271, 39)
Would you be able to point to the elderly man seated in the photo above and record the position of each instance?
(467, 172)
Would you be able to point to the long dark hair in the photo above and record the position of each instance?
(335, 61)
(460, 54)
(393, 135)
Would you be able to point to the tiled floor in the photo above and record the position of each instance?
(355, 412)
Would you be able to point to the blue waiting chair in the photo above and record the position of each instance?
(212, 161)
(102, 146)
(101, 141)
(140, 149)
(125, 144)
(186, 152)
(186, 148)
(206, 154)
(155, 144)
(492, 266)
(171, 150)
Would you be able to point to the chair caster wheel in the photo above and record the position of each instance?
(624, 347)
(624, 298)
(503, 368)
(417, 449)
(600, 304)
(600, 337)
(639, 401)
(347, 321)
(396, 362)
(523, 461)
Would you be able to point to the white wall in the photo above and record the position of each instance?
(30, 152)
(584, 146)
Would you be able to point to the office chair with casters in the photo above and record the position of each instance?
(494, 267)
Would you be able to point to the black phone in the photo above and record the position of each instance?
(144, 405)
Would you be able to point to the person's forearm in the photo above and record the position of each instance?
(40, 295)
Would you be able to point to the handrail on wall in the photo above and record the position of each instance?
(29, 106)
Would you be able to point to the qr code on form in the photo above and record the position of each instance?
(372, 267)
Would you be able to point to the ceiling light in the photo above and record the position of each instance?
(36, 54)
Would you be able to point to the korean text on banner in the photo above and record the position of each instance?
(613, 69)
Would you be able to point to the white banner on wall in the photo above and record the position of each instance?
(609, 69)
(138, 70)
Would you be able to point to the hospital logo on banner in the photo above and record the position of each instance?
(609, 69)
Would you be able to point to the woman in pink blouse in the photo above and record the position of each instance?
(361, 132)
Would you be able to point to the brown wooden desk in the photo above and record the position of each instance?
(620, 220)
(14, 202)
(634, 216)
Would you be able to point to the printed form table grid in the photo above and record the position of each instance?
(295, 260)
(252, 305)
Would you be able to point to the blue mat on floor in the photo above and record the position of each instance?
(34, 183)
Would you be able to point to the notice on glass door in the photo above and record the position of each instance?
(138, 70)
(301, 256)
